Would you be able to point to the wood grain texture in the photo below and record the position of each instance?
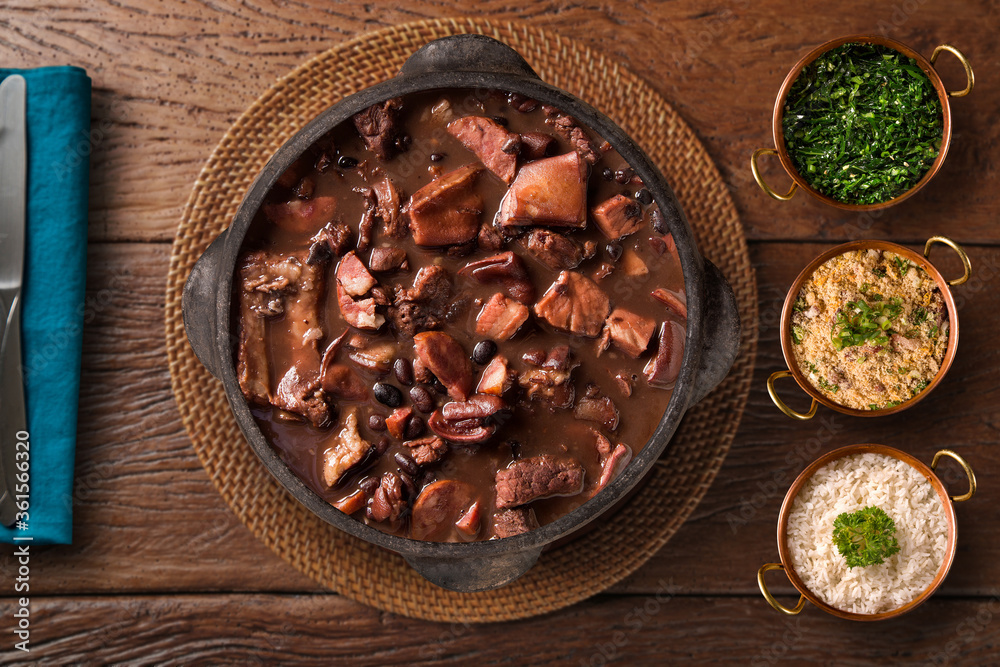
(170, 77)
(662, 628)
(148, 519)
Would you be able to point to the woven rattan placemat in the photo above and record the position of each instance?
(366, 573)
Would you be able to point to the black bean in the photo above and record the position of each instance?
(437, 157)
(369, 484)
(623, 176)
(386, 394)
(500, 120)
(483, 352)
(659, 224)
(614, 250)
(437, 386)
(534, 357)
(408, 485)
(376, 423)
(515, 448)
(382, 444)
(346, 162)
(608, 174)
(403, 370)
(512, 146)
(644, 197)
(403, 142)
(406, 464)
(414, 428)
(422, 399)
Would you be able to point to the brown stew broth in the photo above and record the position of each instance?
(538, 429)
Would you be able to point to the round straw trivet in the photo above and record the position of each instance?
(352, 567)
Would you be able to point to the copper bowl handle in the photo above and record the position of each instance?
(801, 416)
(767, 567)
(965, 466)
(760, 179)
(966, 263)
(969, 74)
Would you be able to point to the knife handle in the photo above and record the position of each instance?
(13, 416)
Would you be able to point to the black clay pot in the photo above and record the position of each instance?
(712, 338)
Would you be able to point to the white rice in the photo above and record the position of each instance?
(849, 484)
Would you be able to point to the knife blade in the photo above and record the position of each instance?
(13, 192)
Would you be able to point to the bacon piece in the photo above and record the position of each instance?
(444, 356)
(352, 503)
(470, 521)
(497, 378)
(508, 271)
(446, 210)
(662, 370)
(500, 318)
(550, 379)
(618, 217)
(549, 192)
(488, 140)
(674, 301)
(439, 508)
(629, 332)
(574, 303)
(614, 464)
(299, 392)
(302, 216)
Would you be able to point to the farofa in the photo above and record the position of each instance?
(905, 353)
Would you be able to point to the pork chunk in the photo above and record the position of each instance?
(556, 251)
(618, 217)
(574, 303)
(629, 332)
(500, 318)
(446, 211)
(550, 192)
(345, 451)
(299, 392)
(491, 142)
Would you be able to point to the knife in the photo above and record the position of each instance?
(13, 181)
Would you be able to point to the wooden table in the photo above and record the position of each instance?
(161, 571)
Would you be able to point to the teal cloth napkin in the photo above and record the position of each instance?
(59, 145)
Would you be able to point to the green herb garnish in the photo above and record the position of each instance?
(920, 387)
(862, 123)
(879, 271)
(823, 384)
(902, 266)
(918, 316)
(858, 323)
(798, 333)
(865, 537)
(799, 305)
(865, 287)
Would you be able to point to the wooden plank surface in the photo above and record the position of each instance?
(161, 571)
(171, 76)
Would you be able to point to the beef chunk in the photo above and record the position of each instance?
(536, 145)
(430, 449)
(386, 259)
(345, 451)
(489, 141)
(572, 132)
(300, 393)
(629, 332)
(425, 305)
(556, 251)
(511, 522)
(506, 270)
(388, 502)
(490, 238)
(550, 192)
(537, 477)
(500, 318)
(574, 303)
(302, 216)
(330, 241)
(662, 370)
(618, 217)
(444, 356)
(550, 380)
(446, 210)
(379, 126)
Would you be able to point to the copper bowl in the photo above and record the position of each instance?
(779, 106)
(787, 351)
(785, 555)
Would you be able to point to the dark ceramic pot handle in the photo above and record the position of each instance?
(466, 53)
(198, 305)
(721, 333)
(471, 575)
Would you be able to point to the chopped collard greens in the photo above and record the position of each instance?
(862, 123)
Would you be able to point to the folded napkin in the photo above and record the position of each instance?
(59, 146)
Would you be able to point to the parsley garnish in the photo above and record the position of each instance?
(862, 123)
(865, 537)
